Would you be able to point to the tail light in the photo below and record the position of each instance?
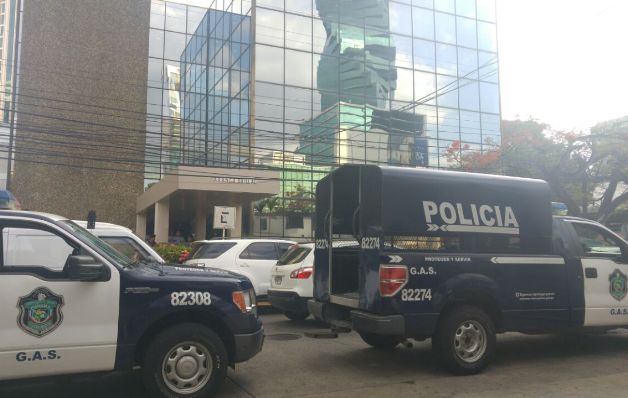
(391, 279)
(245, 300)
(302, 273)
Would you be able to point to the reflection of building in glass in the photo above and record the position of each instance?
(216, 62)
(172, 125)
(317, 83)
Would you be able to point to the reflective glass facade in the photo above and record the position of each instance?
(306, 85)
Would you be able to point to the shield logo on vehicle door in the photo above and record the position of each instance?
(618, 287)
(40, 312)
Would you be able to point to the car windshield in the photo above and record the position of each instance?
(100, 244)
(294, 255)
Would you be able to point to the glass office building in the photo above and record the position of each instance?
(304, 86)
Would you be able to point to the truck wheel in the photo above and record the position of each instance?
(465, 340)
(380, 341)
(297, 316)
(187, 360)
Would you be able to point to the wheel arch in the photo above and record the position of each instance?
(205, 318)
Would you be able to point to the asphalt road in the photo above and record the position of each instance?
(292, 365)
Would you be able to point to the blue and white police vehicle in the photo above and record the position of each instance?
(70, 303)
(458, 257)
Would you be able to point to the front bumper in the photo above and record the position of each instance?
(287, 301)
(360, 321)
(248, 345)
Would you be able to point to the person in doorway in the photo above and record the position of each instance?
(151, 240)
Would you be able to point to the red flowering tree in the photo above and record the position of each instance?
(586, 171)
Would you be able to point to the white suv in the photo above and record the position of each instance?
(253, 258)
(291, 284)
(123, 240)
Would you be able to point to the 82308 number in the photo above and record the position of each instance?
(190, 298)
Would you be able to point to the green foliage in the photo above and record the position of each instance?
(584, 170)
(171, 252)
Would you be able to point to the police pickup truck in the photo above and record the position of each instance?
(88, 308)
(458, 257)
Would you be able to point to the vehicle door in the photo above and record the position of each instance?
(52, 323)
(604, 260)
(256, 261)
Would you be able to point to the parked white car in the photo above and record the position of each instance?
(124, 240)
(291, 283)
(253, 258)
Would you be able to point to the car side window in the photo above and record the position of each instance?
(597, 242)
(260, 251)
(283, 247)
(33, 247)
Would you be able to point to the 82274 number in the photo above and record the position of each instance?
(416, 295)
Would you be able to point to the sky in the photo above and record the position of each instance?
(563, 62)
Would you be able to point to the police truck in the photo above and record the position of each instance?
(459, 257)
(70, 303)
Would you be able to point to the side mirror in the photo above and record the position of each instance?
(84, 268)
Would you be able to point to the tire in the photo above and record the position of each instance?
(465, 340)
(191, 342)
(297, 316)
(380, 341)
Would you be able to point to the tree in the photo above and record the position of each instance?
(584, 170)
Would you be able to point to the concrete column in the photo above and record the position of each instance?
(237, 231)
(162, 220)
(200, 218)
(140, 225)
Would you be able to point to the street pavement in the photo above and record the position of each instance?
(292, 365)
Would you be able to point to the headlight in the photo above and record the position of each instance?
(245, 301)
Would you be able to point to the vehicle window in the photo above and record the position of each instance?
(212, 250)
(32, 247)
(283, 247)
(103, 247)
(596, 241)
(295, 254)
(260, 251)
(128, 247)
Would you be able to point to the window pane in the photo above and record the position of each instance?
(156, 46)
(299, 6)
(319, 36)
(175, 17)
(465, 8)
(269, 63)
(445, 5)
(423, 3)
(489, 97)
(175, 43)
(157, 14)
(400, 18)
(404, 85)
(260, 251)
(298, 32)
(424, 55)
(278, 4)
(298, 68)
(424, 86)
(487, 36)
(466, 32)
(467, 63)
(195, 16)
(446, 59)
(469, 95)
(269, 27)
(33, 247)
(128, 247)
(489, 70)
(403, 46)
(448, 91)
(211, 250)
(423, 23)
(445, 28)
(486, 10)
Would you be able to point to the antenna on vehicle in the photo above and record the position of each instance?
(91, 219)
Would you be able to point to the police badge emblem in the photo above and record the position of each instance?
(40, 312)
(618, 287)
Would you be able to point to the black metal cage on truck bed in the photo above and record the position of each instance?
(391, 209)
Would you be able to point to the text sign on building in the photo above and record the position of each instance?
(224, 217)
